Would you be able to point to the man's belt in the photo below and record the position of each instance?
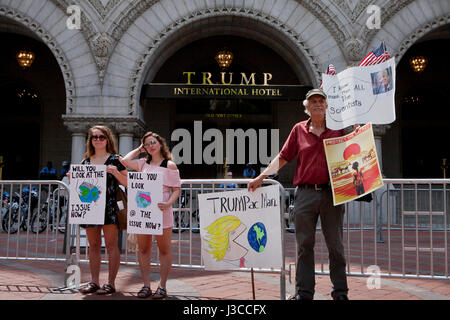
(316, 187)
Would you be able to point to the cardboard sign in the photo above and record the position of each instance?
(241, 229)
(87, 194)
(145, 191)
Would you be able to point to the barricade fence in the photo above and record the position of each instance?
(186, 243)
(403, 231)
(33, 220)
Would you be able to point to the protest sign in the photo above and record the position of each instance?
(353, 165)
(145, 191)
(241, 229)
(360, 95)
(87, 194)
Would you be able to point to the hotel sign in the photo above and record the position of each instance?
(247, 88)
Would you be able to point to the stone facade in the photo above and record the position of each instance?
(121, 44)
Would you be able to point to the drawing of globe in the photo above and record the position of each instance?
(88, 193)
(257, 237)
(143, 199)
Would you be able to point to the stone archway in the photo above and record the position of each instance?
(155, 29)
(404, 23)
(46, 23)
(418, 16)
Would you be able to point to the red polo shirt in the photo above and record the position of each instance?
(311, 163)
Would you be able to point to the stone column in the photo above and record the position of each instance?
(136, 142)
(78, 146)
(125, 143)
(127, 131)
(79, 130)
(378, 132)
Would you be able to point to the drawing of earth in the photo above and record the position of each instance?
(257, 237)
(88, 193)
(143, 199)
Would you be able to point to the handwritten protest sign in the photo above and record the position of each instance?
(87, 194)
(241, 229)
(361, 95)
(145, 190)
(353, 165)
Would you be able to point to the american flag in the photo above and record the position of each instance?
(376, 56)
(330, 70)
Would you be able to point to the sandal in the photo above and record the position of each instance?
(145, 292)
(106, 289)
(160, 293)
(91, 287)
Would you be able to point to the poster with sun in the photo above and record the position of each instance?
(353, 165)
(241, 229)
(87, 194)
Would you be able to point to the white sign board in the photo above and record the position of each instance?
(87, 194)
(145, 191)
(360, 95)
(241, 229)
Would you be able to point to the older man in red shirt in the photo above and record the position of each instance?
(313, 198)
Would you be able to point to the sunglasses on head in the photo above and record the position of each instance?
(101, 138)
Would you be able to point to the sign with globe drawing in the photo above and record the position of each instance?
(87, 194)
(145, 190)
(241, 229)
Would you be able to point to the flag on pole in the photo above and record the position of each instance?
(330, 70)
(376, 56)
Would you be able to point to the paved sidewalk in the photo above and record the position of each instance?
(39, 280)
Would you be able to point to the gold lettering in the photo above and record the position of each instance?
(207, 77)
(242, 92)
(267, 78)
(247, 81)
(189, 73)
(223, 78)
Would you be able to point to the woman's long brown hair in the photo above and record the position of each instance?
(165, 152)
(110, 145)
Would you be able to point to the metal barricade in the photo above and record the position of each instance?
(186, 244)
(33, 220)
(403, 232)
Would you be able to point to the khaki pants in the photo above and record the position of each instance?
(308, 206)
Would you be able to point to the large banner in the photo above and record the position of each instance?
(353, 165)
(241, 229)
(361, 95)
(87, 194)
(145, 190)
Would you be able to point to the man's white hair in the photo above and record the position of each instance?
(305, 103)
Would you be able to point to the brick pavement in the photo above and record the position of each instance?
(36, 280)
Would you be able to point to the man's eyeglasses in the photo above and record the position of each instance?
(101, 138)
(150, 143)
